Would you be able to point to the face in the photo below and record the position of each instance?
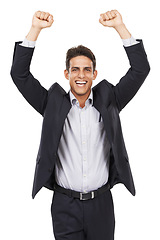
(80, 76)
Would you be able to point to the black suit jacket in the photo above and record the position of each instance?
(54, 106)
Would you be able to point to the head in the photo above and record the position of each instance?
(80, 67)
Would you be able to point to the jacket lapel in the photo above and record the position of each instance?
(64, 110)
(99, 105)
(66, 106)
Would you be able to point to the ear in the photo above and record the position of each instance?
(95, 74)
(66, 74)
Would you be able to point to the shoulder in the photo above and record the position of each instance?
(104, 83)
(56, 88)
(105, 91)
(103, 87)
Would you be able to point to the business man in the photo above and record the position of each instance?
(82, 153)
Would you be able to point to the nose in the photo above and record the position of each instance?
(81, 74)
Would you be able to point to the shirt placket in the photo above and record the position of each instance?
(83, 126)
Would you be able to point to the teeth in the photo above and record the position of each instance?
(80, 82)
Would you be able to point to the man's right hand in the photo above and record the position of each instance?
(40, 20)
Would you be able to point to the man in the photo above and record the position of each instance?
(82, 154)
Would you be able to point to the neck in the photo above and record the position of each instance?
(81, 98)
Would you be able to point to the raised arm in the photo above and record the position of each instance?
(30, 87)
(139, 67)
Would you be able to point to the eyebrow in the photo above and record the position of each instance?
(84, 68)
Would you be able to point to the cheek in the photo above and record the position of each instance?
(71, 80)
(90, 78)
(72, 76)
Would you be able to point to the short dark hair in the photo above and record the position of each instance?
(79, 51)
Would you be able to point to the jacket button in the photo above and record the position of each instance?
(50, 169)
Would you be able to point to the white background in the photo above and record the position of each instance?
(77, 22)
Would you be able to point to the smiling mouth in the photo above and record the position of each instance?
(81, 83)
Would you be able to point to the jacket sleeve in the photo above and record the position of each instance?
(130, 83)
(30, 87)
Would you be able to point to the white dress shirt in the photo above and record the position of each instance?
(84, 151)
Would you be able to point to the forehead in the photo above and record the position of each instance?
(81, 61)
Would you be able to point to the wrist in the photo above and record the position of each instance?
(33, 33)
(123, 31)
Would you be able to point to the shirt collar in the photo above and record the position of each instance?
(73, 99)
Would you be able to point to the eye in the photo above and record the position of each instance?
(88, 69)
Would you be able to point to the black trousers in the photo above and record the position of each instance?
(75, 219)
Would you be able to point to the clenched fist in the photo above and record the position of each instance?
(42, 20)
(111, 19)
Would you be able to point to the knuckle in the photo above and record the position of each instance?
(37, 13)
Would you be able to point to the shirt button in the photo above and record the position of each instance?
(84, 175)
(83, 142)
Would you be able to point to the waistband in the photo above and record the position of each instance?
(80, 195)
